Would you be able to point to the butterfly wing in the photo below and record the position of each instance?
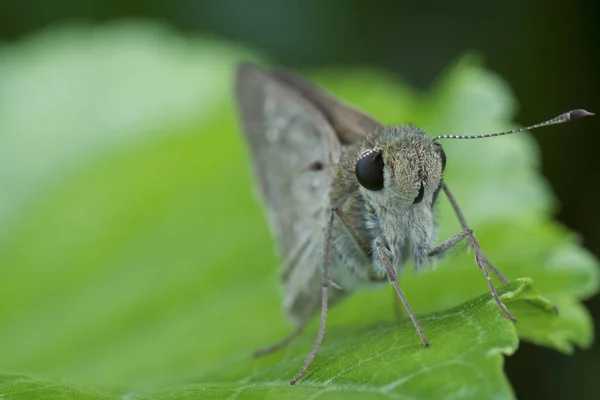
(286, 134)
(349, 123)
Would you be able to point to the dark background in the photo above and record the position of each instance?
(547, 50)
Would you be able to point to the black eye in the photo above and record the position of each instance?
(369, 170)
(442, 156)
(420, 195)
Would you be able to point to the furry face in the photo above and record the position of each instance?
(409, 163)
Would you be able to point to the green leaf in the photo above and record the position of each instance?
(382, 361)
(22, 387)
(135, 263)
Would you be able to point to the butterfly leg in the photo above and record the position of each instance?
(350, 230)
(326, 281)
(480, 259)
(393, 278)
(465, 226)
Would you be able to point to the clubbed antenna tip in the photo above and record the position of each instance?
(562, 118)
(580, 113)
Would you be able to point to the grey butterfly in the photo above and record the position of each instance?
(349, 200)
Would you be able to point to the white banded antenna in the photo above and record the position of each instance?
(562, 118)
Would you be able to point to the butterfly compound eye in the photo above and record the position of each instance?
(369, 170)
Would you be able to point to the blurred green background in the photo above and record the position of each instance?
(547, 51)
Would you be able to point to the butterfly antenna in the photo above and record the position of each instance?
(566, 117)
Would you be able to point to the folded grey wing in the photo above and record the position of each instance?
(349, 123)
(303, 281)
(286, 134)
